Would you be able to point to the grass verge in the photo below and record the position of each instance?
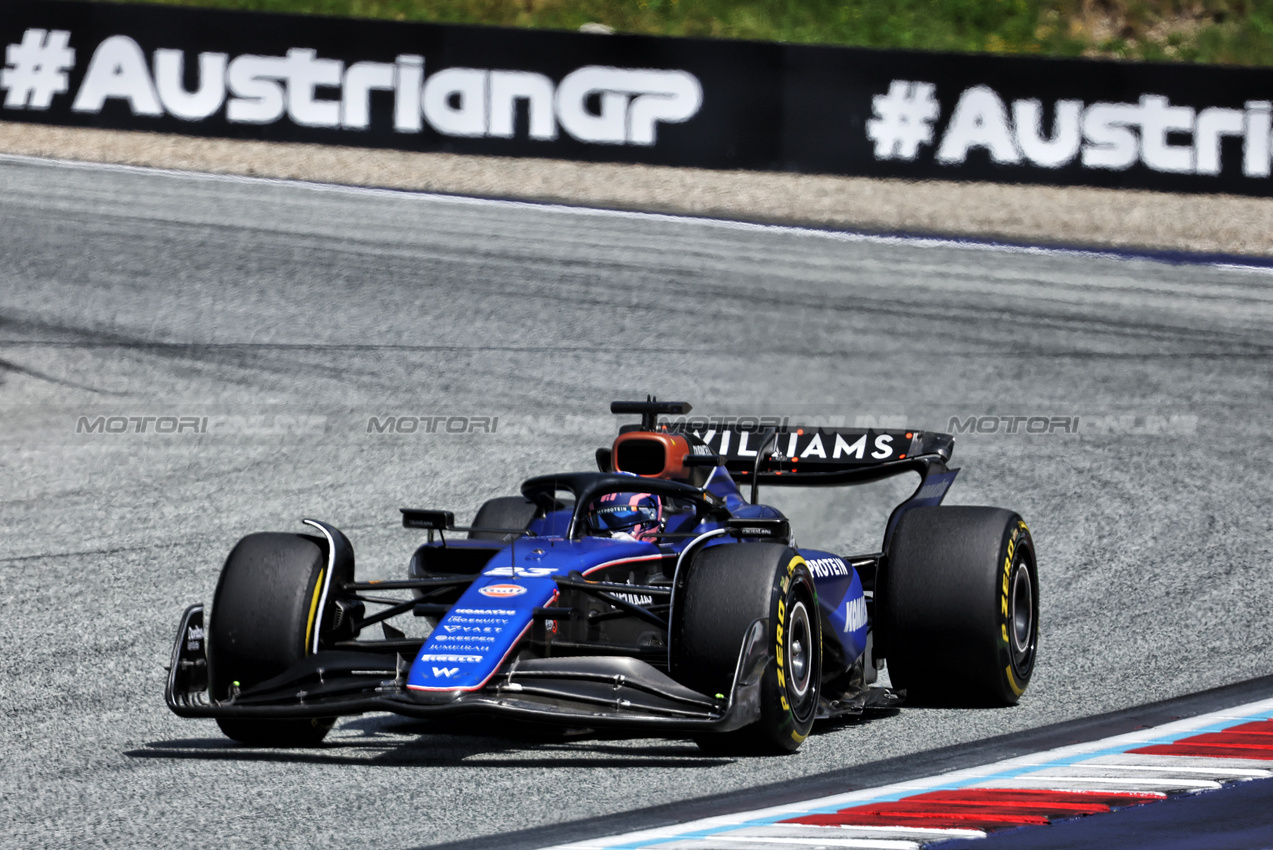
(1211, 31)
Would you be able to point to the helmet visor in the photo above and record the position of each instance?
(621, 517)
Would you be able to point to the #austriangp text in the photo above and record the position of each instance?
(678, 102)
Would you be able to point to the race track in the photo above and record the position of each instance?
(289, 315)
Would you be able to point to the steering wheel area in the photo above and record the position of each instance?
(587, 487)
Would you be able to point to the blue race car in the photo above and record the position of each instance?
(651, 594)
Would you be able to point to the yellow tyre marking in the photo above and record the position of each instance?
(1012, 682)
(778, 638)
(313, 606)
(1007, 566)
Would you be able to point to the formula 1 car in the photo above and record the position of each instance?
(710, 623)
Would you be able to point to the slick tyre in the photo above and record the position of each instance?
(504, 512)
(727, 589)
(263, 618)
(959, 608)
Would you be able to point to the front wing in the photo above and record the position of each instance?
(596, 691)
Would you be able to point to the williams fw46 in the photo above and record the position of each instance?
(654, 594)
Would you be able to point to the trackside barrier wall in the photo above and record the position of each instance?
(620, 98)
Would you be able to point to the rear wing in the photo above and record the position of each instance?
(792, 456)
(811, 457)
(827, 457)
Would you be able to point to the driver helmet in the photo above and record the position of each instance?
(636, 516)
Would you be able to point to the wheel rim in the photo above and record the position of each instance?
(1022, 618)
(800, 656)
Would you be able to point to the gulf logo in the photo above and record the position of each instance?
(501, 591)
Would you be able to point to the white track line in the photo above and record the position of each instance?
(1075, 767)
(968, 244)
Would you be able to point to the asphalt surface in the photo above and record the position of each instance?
(289, 316)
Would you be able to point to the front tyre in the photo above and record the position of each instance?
(960, 606)
(263, 619)
(728, 587)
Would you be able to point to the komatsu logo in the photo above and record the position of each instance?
(855, 614)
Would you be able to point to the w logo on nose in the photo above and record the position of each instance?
(445, 672)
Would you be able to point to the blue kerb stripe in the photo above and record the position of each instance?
(1066, 761)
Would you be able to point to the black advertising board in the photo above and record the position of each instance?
(619, 98)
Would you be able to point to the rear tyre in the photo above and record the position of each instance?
(727, 588)
(960, 606)
(263, 618)
(504, 512)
